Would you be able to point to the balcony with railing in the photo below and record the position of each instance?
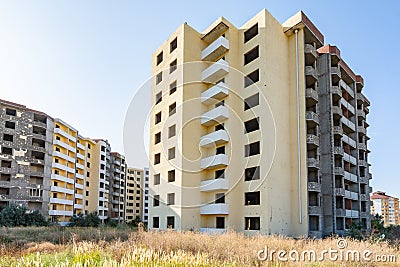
(214, 116)
(216, 49)
(215, 93)
(215, 72)
(312, 94)
(312, 140)
(214, 185)
(314, 186)
(214, 139)
(340, 192)
(213, 231)
(215, 209)
(313, 163)
(350, 177)
(352, 213)
(215, 161)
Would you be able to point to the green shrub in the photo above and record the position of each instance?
(14, 215)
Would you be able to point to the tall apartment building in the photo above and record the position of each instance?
(387, 207)
(134, 194)
(117, 187)
(259, 128)
(26, 149)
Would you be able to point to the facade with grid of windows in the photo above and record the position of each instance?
(260, 128)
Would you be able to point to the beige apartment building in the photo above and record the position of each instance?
(387, 207)
(254, 129)
(117, 187)
(134, 194)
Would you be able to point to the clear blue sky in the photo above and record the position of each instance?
(57, 55)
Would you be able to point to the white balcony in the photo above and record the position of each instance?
(80, 156)
(350, 176)
(217, 92)
(63, 156)
(61, 201)
(80, 146)
(349, 158)
(215, 72)
(78, 186)
(214, 184)
(78, 206)
(79, 176)
(103, 199)
(352, 213)
(80, 166)
(214, 209)
(62, 167)
(61, 190)
(214, 116)
(213, 231)
(64, 145)
(62, 178)
(215, 161)
(117, 162)
(216, 49)
(65, 134)
(61, 212)
(215, 138)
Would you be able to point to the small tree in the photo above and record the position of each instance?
(17, 215)
(90, 220)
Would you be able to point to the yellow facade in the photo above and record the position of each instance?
(134, 194)
(282, 185)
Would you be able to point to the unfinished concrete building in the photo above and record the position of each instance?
(26, 146)
(134, 194)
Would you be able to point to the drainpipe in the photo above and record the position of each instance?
(298, 130)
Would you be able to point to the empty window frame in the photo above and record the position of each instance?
(11, 112)
(157, 138)
(252, 223)
(156, 222)
(158, 97)
(219, 198)
(10, 125)
(171, 153)
(172, 109)
(252, 198)
(157, 118)
(252, 149)
(173, 45)
(171, 199)
(252, 78)
(8, 137)
(172, 88)
(251, 125)
(6, 150)
(251, 55)
(220, 174)
(172, 131)
(156, 201)
(159, 77)
(251, 101)
(220, 150)
(252, 173)
(173, 66)
(251, 33)
(157, 158)
(159, 58)
(171, 176)
(171, 222)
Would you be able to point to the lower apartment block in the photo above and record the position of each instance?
(47, 165)
(261, 129)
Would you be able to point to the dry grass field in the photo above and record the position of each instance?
(56, 246)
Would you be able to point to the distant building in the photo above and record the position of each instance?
(387, 207)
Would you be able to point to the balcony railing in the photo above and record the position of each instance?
(339, 192)
(313, 186)
(214, 184)
(312, 140)
(310, 49)
(214, 116)
(215, 138)
(336, 91)
(215, 93)
(349, 176)
(352, 213)
(312, 94)
(213, 231)
(215, 209)
(215, 72)
(312, 116)
(215, 161)
(312, 163)
(216, 49)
